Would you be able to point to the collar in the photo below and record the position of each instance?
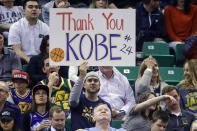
(173, 114)
(27, 22)
(53, 129)
(102, 75)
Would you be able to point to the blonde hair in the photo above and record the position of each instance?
(93, 4)
(193, 71)
(194, 122)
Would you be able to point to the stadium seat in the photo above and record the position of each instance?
(172, 75)
(155, 48)
(160, 51)
(117, 123)
(165, 60)
(180, 59)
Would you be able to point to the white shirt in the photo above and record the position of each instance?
(53, 129)
(117, 91)
(28, 36)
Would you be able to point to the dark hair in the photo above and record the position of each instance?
(160, 115)
(43, 45)
(142, 98)
(25, 3)
(146, 2)
(14, 128)
(44, 58)
(169, 88)
(34, 105)
(187, 5)
(56, 109)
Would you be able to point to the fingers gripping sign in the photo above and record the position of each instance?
(83, 69)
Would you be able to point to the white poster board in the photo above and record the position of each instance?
(103, 37)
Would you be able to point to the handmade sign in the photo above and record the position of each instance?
(100, 36)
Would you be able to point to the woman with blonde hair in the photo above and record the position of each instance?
(188, 87)
(149, 77)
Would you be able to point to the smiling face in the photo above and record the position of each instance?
(102, 112)
(187, 72)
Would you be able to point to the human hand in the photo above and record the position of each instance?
(149, 62)
(63, 4)
(83, 69)
(170, 98)
(10, 84)
(44, 124)
(53, 78)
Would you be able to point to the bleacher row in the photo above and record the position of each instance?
(170, 66)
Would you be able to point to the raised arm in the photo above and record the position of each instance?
(146, 104)
(76, 90)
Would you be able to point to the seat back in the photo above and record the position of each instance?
(180, 58)
(172, 75)
(155, 48)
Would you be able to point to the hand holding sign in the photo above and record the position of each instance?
(83, 69)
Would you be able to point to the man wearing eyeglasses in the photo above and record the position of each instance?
(83, 103)
(26, 34)
(7, 105)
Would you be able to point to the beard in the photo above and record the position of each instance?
(92, 91)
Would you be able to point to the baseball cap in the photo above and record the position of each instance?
(38, 87)
(7, 115)
(21, 76)
(92, 73)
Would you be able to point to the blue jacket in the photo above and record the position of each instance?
(180, 123)
(148, 25)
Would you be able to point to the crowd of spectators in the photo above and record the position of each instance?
(42, 97)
